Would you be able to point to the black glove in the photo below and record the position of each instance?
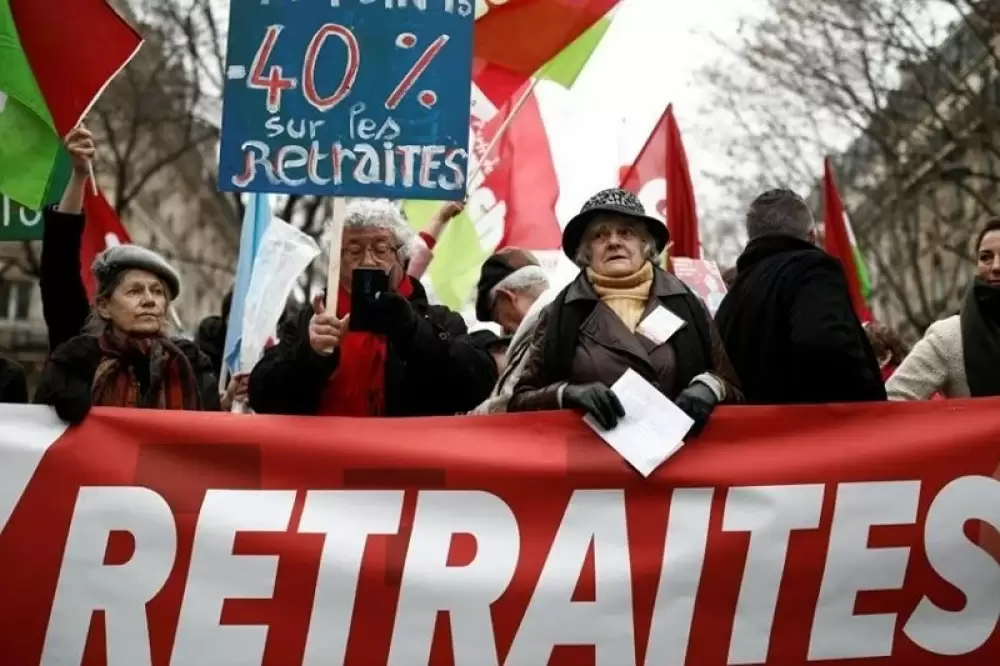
(697, 401)
(597, 400)
(392, 315)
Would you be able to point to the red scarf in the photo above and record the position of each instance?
(172, 382)
(357, 386)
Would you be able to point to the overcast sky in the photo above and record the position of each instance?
(649, 58)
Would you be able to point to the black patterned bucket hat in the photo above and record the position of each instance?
(614, 200)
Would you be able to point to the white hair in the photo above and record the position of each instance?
(380, 214)
(530, 280)
(583, 256)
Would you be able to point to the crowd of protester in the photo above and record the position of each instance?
(786, 332)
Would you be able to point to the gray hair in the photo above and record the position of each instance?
(381, 214)
(583, 256)
(779, 212)
(529, 280)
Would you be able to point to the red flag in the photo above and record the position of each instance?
(522, 36)
(75, 48)
(497, 83)
(837, 240)
(521, 175)
(663, 159)
(102, 230)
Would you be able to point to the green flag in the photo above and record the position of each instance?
(568, 63)
(458, 254)
(29, 143)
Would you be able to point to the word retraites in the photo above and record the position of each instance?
(593, 521)
(294, 164)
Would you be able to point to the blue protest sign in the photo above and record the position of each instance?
(362, 98)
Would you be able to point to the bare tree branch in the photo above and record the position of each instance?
(903, 91)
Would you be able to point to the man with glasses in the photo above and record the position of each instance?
(409, 358)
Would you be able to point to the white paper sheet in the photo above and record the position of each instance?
(653, 428)
(660, 325)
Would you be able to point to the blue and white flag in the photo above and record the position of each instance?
(256, 219)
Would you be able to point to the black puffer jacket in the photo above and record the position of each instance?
(68, 377)
(440, 371)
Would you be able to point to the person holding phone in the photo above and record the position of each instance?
(385, 351)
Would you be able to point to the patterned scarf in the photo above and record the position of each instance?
(143, 372)
(357, 386)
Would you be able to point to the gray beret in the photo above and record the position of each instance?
(118, 258)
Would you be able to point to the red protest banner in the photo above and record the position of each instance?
(835, 535)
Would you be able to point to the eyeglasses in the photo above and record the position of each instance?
(382, 250)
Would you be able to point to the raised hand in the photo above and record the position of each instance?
(81, 147)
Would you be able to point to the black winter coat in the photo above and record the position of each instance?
(68, 377)
(790, 330)
(440, 371)
(65, 306)
(13, 382)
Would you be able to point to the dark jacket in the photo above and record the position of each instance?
(211, 340)
(579, 339)
(68, 377)
(438, 372)
(790, 330)
(65, 306)
(13, 382)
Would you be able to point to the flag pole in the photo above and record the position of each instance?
(93, 178)
(516, 109)
(333, 261)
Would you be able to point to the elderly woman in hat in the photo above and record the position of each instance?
(124, 358)
(623, 312)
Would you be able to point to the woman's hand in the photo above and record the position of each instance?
(595, 399)
(697, 401)
(81, 147)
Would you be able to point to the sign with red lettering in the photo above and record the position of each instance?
(835, 535)
(348, 98)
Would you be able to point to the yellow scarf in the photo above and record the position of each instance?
(626, 296)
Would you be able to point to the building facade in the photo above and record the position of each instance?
(924, 177)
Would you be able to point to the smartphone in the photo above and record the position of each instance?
(366, 284)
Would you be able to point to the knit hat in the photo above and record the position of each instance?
(495, 270)
(614, 200)
(119, 258)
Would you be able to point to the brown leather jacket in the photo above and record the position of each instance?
(605, 349)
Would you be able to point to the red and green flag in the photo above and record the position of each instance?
(56, 57)
(501, 67)
(522, 36)
(838, 240)
(512, 203)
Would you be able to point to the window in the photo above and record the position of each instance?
(15, 299)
